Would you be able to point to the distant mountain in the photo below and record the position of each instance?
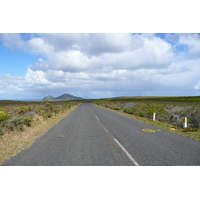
(63, 96)
(68, 96)
(48, 98)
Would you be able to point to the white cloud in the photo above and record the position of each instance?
(12, 41)
(11, 84)
(38, 46)
(193, 43)
(74, 52)
(97, 44)
(109, 64)
(197, 86)
(71, 60)
(97, 50)
(151, 53)
(36, 77)
(63, 42)
(39, 66)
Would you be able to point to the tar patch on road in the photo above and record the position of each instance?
(149, 130)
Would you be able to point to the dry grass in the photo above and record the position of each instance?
(14, 142)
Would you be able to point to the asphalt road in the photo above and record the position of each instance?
(93, 136)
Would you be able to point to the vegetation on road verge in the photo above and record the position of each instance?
(27, 122)
(15, 116)
(170, 112)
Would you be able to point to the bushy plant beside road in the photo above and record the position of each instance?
(15, 116)
(169, 110)
(3, 116)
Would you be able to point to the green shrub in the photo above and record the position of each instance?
(129, 110)
(67, 105)
(16, 122)
(56, 110)
(142, 114)
(27, 121)
(41, 109)
(21, 110)
(107, 105)
(47, 104)
(45, 115)
(3, 116)
(115, 108)
(47, 112)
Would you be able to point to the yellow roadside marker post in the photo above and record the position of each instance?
(185, 122)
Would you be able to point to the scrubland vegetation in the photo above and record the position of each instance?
(16, 115)
(169, 110)
(22, 122)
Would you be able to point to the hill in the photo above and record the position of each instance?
(62, 97)
(48, 98)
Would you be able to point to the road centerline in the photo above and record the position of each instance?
(127, 153)
(96, 117)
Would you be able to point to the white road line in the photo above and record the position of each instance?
(127, 153)
(90, 109)
(97, 118)
(104, 128)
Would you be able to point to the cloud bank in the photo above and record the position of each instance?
(105, 65)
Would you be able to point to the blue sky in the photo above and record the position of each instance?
(99, 65)
(14, 61)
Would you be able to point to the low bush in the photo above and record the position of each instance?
(27, 121)
(21, 110)
(67, 106)
(56, 111)
(4, 116)
(14, 115)
(15, 122)
(147, 111)
(115, 107)
(171, 112)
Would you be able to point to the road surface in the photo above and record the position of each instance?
(93, 136)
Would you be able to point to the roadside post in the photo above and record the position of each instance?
(185, 122)
(154, 116)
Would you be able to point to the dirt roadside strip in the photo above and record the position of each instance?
(13, 143)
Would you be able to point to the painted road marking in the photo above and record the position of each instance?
(104, 128)
(127, 153)
(90, 109)
(94, 114)
(97, 118)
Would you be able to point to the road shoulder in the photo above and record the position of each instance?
(15, 142)
(162, 125)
